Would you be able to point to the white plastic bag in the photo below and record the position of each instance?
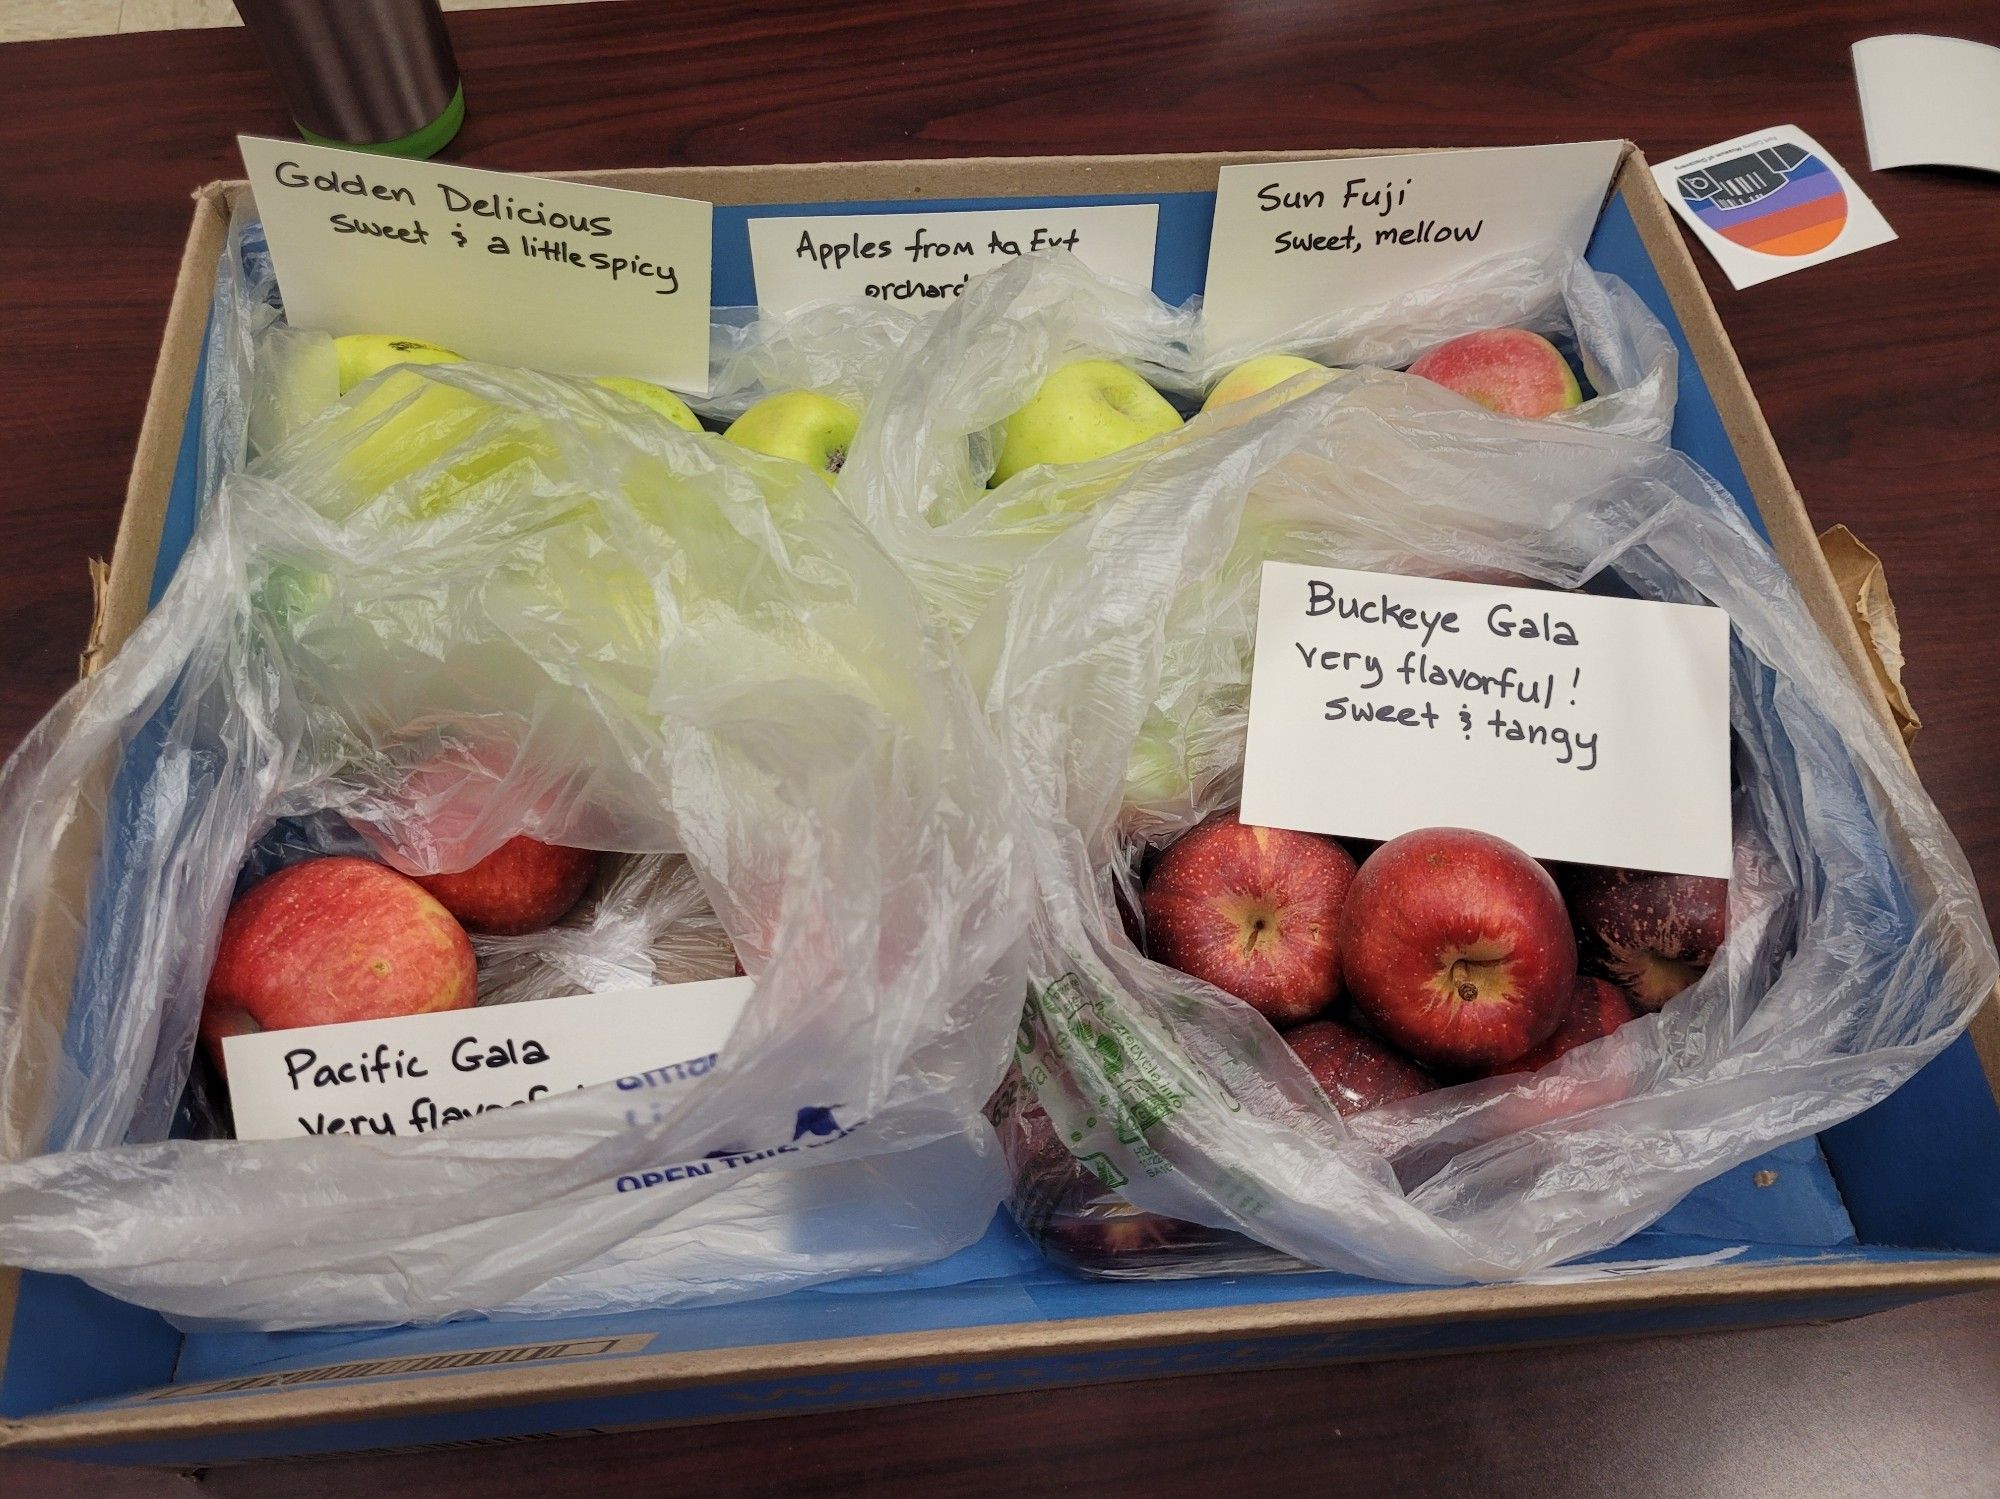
(525, 596)
(921, 462)
(839, 348)
(1597, 321)
(1115, 601)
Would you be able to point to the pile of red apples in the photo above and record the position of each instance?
(341, 939)
(1441, 955)
(1390, 970)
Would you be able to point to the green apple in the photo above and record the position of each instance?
(1157, 769)
(803, 425)
(297, 377)
(1258, 375)
(405, 423)
(365, 354)
(1083, 411)
(654, 397)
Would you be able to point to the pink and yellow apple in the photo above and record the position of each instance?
(333, 940)
(1255, 376)
(1508, 370)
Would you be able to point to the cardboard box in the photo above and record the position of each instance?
(1898, 1204)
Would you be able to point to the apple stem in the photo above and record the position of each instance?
(1467, 990)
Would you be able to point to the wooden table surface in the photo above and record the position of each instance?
(1880, 375)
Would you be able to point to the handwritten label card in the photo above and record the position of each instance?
(1579, 728)
(417, 1073)
(1296, 240)
(507, 269)
(926, 258)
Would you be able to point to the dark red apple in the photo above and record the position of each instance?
(1075, 1217)
(1650, 934)
(334, 940)
(1254, 911)
(1508, 370)
(1457, 948)
(521, 886)
(1356, 1072)
(1596, 1009)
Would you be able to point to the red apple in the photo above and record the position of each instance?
(1355, 1071)
(467, 795)
(333, 940)
(1254, 911)
(1595, 1010)
(1112, 1236)
(1457, 948)
(1650, 934)
(1508, 370)
(1076, 1218)
(521, 886)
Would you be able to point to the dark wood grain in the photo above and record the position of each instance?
(1900, 1403)
(1880, 375)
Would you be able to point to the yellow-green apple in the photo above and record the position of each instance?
(364, 354)
(333, 940)
(1254, 911)
(653, 397)
(406, 422)
(807, 426)
(1355, 1071)
(1085, 410)
(1457, 948)
(1594, 1011)
(1650, 934)
(1255, 376)
(1156, 770)
(522, 886)
(1508, 370)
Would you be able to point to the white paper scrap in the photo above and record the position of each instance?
(1929, 101)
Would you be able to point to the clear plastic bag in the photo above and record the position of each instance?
(838, 348)
(927, 443)
(1597, 321)
(1112, 604)
(646, 923)
(841, 349)
(926, 449)
(522, 597)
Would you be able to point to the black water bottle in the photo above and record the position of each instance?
(374, 74)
